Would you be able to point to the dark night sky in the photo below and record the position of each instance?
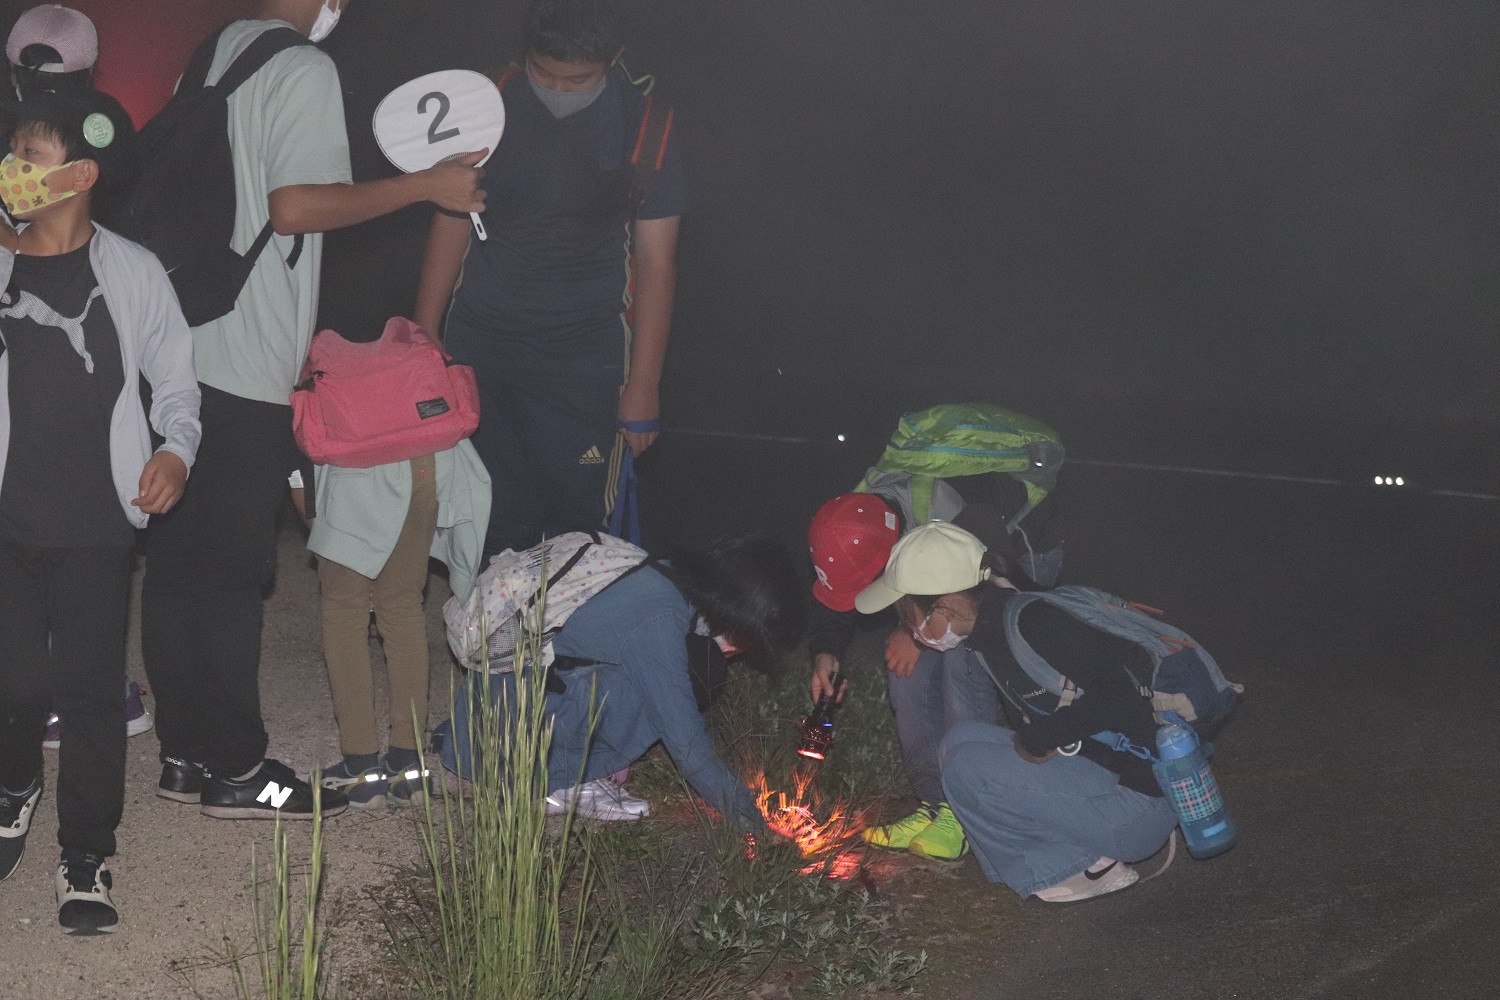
(1260, 238)
(1253, 237)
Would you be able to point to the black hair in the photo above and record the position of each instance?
(572, 31)
(75, 147)
(31, 79)
(748, 589)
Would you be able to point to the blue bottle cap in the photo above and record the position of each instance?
(1173, 742)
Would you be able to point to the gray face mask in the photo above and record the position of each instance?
(563, 103)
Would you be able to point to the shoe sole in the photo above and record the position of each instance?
(88, 929)
(186, 798)
(257, 812)
(139, 727)
(921, 852)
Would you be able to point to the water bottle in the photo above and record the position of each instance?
(1187, 780)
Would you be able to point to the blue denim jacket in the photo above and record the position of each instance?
(636, 629)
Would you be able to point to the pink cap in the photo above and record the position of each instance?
(71, 33)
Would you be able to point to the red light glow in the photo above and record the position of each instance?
(795, 817)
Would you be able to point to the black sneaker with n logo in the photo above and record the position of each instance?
(273, 790)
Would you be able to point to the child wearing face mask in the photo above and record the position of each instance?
(1049, 811)
(84, 314)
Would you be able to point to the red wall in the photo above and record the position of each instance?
(144, 45)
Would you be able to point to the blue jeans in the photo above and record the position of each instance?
(1034, 825)
(944, 690)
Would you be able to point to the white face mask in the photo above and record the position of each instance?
(324, 25)
(948, 640)
(563, 103)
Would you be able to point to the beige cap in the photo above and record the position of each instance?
(935, 558)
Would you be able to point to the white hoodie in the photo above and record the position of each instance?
(154, 340)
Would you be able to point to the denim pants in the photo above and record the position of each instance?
(1034, 825)
(944, 690)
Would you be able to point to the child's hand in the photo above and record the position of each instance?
(162, 482)
(901, 653)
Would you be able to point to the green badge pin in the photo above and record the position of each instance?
(98, 130)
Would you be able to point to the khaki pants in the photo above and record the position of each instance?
(396, 597)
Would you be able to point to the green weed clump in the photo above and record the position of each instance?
(287, 960)
(506, 908)
(515, 908)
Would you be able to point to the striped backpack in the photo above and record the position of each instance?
(967, 439)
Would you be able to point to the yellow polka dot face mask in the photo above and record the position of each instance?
(21, 185)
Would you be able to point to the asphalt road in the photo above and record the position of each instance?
(1361, 768)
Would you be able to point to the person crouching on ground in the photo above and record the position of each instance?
(372, 533)
(650, 651)
(1046, 824)
(84, 314)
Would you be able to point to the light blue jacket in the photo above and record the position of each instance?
(154, 340)
(359, 514)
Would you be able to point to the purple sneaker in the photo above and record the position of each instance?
(137, 719)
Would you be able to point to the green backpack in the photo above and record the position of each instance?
(967, 439)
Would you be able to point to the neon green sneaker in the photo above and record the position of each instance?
(942, 840)
(900, 833)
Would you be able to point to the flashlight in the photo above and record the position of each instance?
(817, 728)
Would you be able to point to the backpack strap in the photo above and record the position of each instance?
(573, 560)
(503, 77)
(195, 77)
(650, 150)
(259, 52)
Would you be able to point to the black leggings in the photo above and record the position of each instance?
(63, 616)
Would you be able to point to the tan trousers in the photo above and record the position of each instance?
(396, 597)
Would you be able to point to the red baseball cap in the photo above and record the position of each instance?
(850, 539)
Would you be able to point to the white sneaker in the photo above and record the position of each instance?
(1103, 876)
(600, 799)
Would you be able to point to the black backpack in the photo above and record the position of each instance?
(190, 225)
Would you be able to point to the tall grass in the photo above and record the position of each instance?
(289, 964)
(515, 906)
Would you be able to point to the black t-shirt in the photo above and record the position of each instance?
(66, 375)
(558, 213)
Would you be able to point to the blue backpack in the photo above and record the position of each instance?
(1184, 678)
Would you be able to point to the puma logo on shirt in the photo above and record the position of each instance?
(28, 306)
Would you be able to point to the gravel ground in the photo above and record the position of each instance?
(183, 880)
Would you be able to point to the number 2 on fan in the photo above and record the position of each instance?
(443, 104)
